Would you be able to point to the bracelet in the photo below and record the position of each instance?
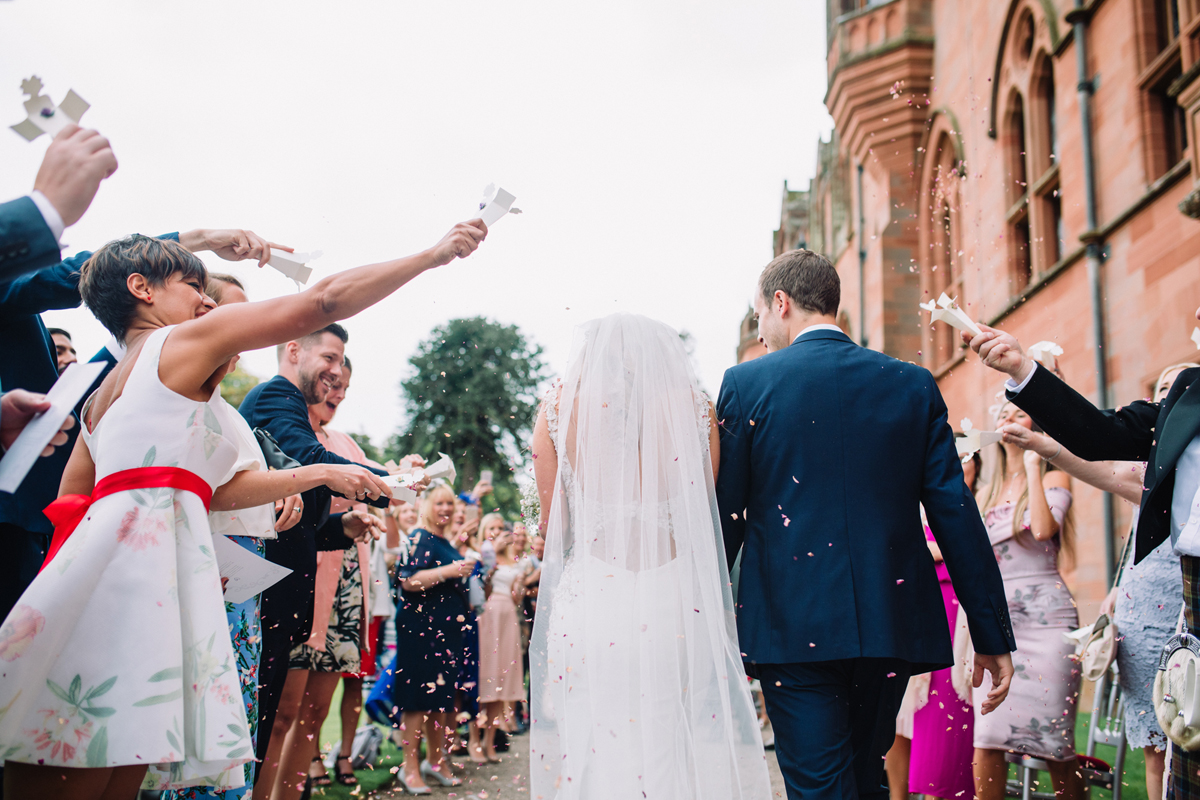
(1056, 454)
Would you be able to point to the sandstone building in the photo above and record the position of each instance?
(1032, 158)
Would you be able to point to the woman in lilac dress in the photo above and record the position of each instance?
(1026, 513)
(943, 726)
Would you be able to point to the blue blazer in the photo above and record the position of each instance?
(30, 363)
(278, 407)
(26, 242)
(828, 450)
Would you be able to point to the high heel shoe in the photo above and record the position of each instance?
(420, 790)
(429, 773)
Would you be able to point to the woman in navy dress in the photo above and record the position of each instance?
(429, 640)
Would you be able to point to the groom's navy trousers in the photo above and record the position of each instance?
(828, 452)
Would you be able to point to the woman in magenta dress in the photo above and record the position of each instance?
(943, 738)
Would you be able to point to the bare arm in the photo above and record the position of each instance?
(1122, 478)
(714, 441)
(391, 529)
(1042, 524)
(79, 476)
(258, 487)
(428, 578)
(199, 346)
(545, 466)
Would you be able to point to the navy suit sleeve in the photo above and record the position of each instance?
(284, 414)
(330, 536)
(733, 481)
(1124, 434)
(26, 242)
(45, 290)
(954, 519)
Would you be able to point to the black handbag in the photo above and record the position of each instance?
(272, 454)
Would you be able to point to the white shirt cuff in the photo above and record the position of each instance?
(1015, 387)
(54, 220)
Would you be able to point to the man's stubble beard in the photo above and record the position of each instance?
(310, 384)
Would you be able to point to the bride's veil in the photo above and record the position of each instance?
(637, 686)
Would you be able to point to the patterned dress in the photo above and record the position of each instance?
(1038, 718)
(119, 653)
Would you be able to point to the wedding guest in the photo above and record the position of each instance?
(31, 227)
(309, 366)
(464, 536)
(144, 551)
(1027, 513)
(501, 677)
(64, 348)
(247, 525)
(429, 641)
(1145, 602)
(943, 722)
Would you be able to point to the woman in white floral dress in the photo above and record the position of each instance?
(118, 657)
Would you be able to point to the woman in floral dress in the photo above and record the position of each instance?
(1026, 512)
(118, 654)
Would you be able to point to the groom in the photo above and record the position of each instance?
(828, 451)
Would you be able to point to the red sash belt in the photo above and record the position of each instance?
(69, 510)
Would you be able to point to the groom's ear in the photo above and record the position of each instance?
(782, 302)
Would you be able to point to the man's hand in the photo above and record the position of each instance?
(17, 408)
(1001, 667)
(288, 512)
(1001, 351)
(361, 526)
(355, 483)
(231, 244)
(460, 242)
(75, 163)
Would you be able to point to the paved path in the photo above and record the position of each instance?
(509, 780)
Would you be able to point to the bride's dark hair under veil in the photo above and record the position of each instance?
(637, 685)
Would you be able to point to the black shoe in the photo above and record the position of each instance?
(501, 741)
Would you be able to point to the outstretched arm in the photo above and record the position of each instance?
(250, 488)
(1122, 478)
(198, 347)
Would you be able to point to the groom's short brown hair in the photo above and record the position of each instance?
(806, 277)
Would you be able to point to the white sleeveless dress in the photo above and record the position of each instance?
(119, 653)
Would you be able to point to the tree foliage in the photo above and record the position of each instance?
(473, 395)
(237, 384)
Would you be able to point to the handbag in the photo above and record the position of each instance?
(272, 453)
(1098, 650)
(1176, 694)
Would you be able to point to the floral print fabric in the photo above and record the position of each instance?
(119, 653)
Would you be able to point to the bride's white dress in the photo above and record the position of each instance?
(638, 686)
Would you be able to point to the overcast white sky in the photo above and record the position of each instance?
(647, 142)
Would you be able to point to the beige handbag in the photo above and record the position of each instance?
(1176, 693)
(1100, 650)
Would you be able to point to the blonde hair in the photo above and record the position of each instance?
(432, 495)
(488, 519)
(1066, 531)
(1173, 368)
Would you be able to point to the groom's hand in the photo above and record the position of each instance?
(1001, 351)
(1001, 668)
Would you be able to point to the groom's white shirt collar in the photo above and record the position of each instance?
(825, 326)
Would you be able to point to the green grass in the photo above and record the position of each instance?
(1133, 782)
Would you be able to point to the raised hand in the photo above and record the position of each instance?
(75, 163)
(17, 408)
(460, 242)
(1001, 351)
(1001, 669)
(232, 244)
(355, 483)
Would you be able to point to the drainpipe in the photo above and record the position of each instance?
(1079, 17)
(862, 264)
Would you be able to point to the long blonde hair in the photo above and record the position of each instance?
(1066, 531)
(432, 495)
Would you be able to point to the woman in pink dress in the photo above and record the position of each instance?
(943, 727)
(501, 673)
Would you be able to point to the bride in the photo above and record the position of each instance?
(638, 689)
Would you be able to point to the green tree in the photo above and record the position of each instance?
(473, 395)
(237, 385)
(373, 452)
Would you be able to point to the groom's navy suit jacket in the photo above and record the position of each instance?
(828, 450)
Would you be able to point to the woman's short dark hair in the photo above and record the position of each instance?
(103, 281)
(806, 277)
